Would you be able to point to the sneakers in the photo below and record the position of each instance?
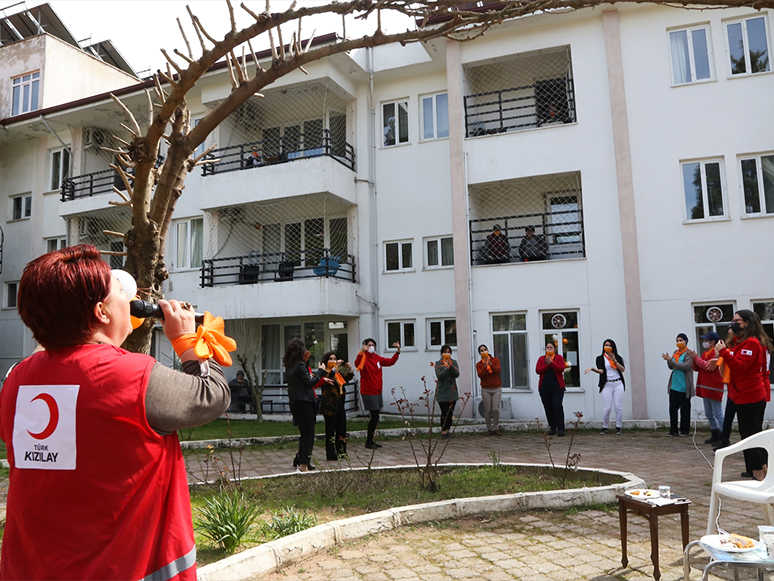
(618, 432)
(603, 432)
(372, 445)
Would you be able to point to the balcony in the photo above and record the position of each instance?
(90, 184)
(520, 92)
(284, 149)
(257, 268)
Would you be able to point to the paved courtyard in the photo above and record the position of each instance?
(542, 546)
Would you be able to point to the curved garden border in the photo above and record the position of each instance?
(268, 557)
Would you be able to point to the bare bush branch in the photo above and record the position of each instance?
(185, 38)
(126, 110)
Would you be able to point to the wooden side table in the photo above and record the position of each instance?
(628, 504)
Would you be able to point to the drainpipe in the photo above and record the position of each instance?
(372, 191)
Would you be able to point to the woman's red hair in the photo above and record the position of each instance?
(58, 292)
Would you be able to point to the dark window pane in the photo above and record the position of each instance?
(442, 114)
(406, 254)
(34, 97)
(447, 251)
(392, 256)
(759, 53)
(767, 166)
(432, 253)
(519, 359)
(450, 332)
(314, 240)
(293, 243)
(509, 322)
(388, 123)
(16, 100)
(736, 48)
(752, 200)
(56, 164)
(502, 352)
(271, 141)
(681, 66)
(714, 189)
(700, 54)
(313, 135)
(291, 139)
(435, 334)
(403, 128)
(408, 335)
(427, 118)
(694, 204)
(393, 333)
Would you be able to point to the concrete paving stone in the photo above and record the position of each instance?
(495, 556)
(426, 569)
(461, 573)
(401, 573)
(376, 576)
(497, 576)
(462, 554)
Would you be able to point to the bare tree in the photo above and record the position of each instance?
(153, 191)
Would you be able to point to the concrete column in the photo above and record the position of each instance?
(626, 208)
(459, 204)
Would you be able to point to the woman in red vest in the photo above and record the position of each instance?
(98, 487)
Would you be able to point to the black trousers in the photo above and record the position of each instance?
(552, 398)
(750, 418)
(728, 419)
(336, 433)
(679, 402)
(447, 414)
(304, 418)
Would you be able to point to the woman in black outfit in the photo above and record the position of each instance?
(332, 404)
(301, 385)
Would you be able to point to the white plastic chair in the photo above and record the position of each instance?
(746, 490)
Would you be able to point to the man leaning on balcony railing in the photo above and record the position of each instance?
(497, 249)
(532, 248)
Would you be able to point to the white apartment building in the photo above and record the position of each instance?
(624, 137)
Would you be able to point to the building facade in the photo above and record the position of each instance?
(566, 177)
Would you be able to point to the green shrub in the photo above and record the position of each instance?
(286, 522)
(226, 518)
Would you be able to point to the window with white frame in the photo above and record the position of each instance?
(55, 243)
(441, 332)
(401, 332)
(712, 317)
(434, 113)
(60, 167)
(395, 123)
(765, 310)
(561, 329)
(190, 235)
(200, 148)
(439, 252)
(26, 89)
(21, 207)
(691, 55)
(703, 189)
(758, 184)
(748, 46)
(11, 289)
(398, 256)
(509, 337)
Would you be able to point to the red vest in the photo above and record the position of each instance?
(94, 492)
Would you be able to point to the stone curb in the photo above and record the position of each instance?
(268, 557)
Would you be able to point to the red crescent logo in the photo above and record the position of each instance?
(53, 411)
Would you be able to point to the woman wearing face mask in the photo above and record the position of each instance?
(610, 367)
(447, 371)
(488, 370)
(748, 384)
(680, 386)
(370, 365)
(709, 383)
(301, 386)
(332, 404)
(550, 368)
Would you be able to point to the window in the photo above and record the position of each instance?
(561, 329)
(21, 207)
(55, 244)
(401, 332)
(703, 187)
(691, 55)
(758, 184)
(765, 310)
(25, 93)
(199, 148)
(748, 46)
(441, 332)
(189, 243)
(11, 289)
(395, 123)
(397, 256)
(435, 116)
(509, 335)
(713, 317)
(60, 167)
(439, 252)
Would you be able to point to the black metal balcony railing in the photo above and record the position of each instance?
(544, 103)
(259, 267)
(557, 235)
(275, 399)
(98, 182)
(281, 150)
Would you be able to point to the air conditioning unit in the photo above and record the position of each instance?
(506, 407)
(94, 137)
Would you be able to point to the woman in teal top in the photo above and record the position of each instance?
(447, 371)
(680, 387)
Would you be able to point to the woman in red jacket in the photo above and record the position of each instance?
(709, 384)
(748, 387)
(550, 368)
(488, 370)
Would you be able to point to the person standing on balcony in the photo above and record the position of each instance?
(680, 387)
(497, 249)
(550, 368)
(488, 370)
(370, 365)
(532, 248)
(610, 367)
(709, 384)
(332, 404)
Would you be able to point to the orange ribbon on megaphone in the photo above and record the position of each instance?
(209, 341)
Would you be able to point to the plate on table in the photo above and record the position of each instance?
(643, 493)
(726, 544)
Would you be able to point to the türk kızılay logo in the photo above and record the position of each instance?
(44, 427)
